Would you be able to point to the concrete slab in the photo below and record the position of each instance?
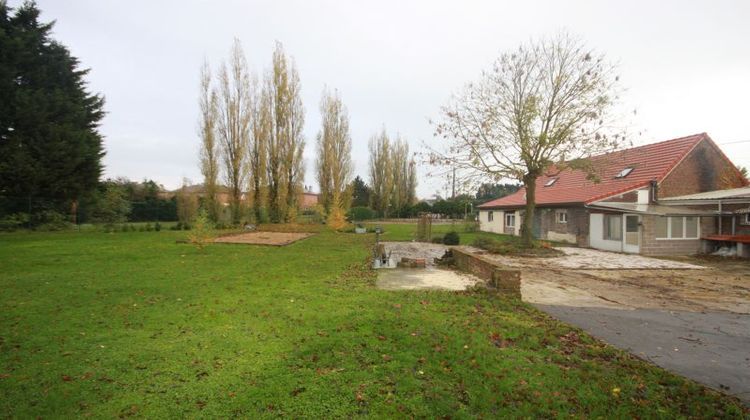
(429, 278)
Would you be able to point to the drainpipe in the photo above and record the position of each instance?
(654, 191)
(720, 217)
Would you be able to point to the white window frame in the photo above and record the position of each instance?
(684, 237)
(625, 172)
(561, 216)
(490, 216)
(745, 220)
(510, 217)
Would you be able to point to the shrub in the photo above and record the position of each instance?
(149, 228)
(124, 228)
(15, 221)
(203, 232)
(336, 219)
(50, 220)
(178, 226)
(437, 240)
(451, 238)
(132, 228)
(157, 227)
(496, 247)
(471, 226)
(360, 213)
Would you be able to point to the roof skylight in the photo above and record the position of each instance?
(551, 182)
(625, 172)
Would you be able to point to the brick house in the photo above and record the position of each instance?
(624, 208)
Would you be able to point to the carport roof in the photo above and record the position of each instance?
(652, 209)
(743, 192)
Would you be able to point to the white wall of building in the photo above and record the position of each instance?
(519, 222)
(596, 234)
(496, 225)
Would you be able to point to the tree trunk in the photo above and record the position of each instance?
(527, 228)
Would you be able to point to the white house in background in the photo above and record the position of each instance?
(626, 210)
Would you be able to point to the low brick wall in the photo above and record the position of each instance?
(505, 280)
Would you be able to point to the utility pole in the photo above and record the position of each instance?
(453, 192)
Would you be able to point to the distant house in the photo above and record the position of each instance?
(198, 190)
(309, 199)
(628, 209)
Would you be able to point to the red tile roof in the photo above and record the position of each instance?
(649, 162)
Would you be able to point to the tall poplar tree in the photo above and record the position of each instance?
(234, 109)
(209, 149)
(334, 165)
(285, 142)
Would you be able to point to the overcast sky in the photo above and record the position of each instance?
(686, 65)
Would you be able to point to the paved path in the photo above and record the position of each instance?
(712, 347)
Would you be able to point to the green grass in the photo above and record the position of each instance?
(408, 232)
(133, 324)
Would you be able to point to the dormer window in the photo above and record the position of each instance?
(551, 182)
(625, 172)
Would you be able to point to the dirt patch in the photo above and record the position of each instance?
(263, 238)
(714, 288)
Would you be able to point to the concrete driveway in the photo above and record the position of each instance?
(694, 322)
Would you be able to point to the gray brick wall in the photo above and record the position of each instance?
(578, 223)
(651, 246)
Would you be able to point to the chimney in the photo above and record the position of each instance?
(654, 191)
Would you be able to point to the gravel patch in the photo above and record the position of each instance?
(586, 259)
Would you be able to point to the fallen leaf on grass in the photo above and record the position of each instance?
(67, 378)
(499, 341)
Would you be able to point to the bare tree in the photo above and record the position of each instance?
(334, 166)
(209, 150)
(187, 203)
(401, 194)
(546, 105)
(262, 127)
(381, 173)
(235, 97)
(285, 142)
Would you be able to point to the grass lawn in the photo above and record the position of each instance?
(133, 324)
(408, 232)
